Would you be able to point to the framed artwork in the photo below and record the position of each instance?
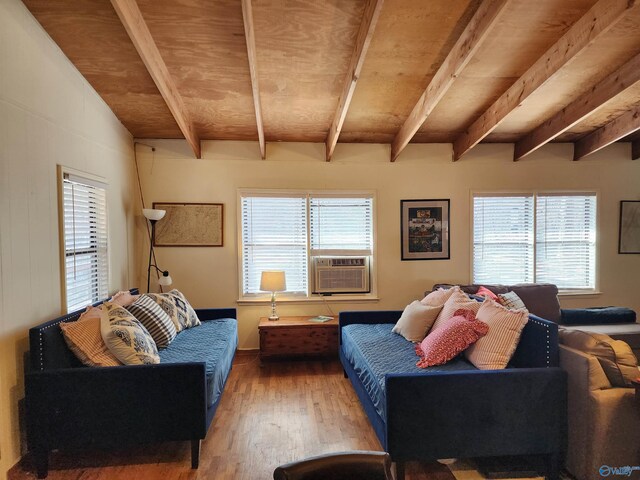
(424, 229)
(629, 234)
(190, 225)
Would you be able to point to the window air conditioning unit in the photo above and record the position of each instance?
(341, 275)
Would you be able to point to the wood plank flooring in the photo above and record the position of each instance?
(269, 415)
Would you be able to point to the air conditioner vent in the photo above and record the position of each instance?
(341, 274)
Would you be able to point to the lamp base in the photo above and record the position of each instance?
(273, 318)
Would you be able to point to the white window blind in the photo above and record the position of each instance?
(566, 240)
(560, 249)
(341, 226)
(86, 259)
(503, 239)
(274, 237)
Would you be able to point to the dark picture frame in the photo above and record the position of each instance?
(424, 229)
(629, 227)
(190, 225)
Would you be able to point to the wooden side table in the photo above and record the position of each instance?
(297, 337)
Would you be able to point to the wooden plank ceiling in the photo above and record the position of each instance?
(383, 71)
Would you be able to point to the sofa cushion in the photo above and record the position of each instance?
(458, 300)
(438, 297)
(541, 299)
(597, 316)
(155, 320)
(178, 308)
(416, 320)
(84, 339)
(126, 337)
(511, 300)
(495, 349)
(214, 342)
(452, 338)
(619, 363)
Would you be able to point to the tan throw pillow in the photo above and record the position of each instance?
(124, 298)
(495, 349)
(126, 337)
(457, 300)
(439, 297)
(416, 321)
(619, 363)
(84, 340)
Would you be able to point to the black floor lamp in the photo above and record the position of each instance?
(153, 215)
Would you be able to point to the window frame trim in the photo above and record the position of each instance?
(63, 170)
(253, 298)
(535, 193)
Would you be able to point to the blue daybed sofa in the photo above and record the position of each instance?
(71, 406)
(455, 410)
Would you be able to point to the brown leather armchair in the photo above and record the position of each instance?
(357, 465)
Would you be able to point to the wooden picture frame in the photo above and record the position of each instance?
(190, 225)
(424, 229)
(629, 227)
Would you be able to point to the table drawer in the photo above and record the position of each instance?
(284, 341)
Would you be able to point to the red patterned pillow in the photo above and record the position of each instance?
(449, 340)
(485, 292)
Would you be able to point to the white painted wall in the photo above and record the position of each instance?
(209, 276)
(49, 115)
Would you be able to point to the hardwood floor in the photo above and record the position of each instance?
(269, 415)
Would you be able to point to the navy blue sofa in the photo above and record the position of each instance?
(71, 406)
(455, 410)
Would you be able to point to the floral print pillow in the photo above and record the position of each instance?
(125, 337)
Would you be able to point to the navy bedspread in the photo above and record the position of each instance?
(213, 342)
(374, 351)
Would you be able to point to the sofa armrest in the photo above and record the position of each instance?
(597, 316)
(215, 313)
(115, 404)
(476, 413)
(538, 345)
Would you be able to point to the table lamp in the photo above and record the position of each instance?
(273, 281)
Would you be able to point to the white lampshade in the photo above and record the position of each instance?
(273, 281)
(165, 280)
(153, 213)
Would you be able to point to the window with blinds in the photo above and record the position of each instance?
(86, 259)
(543, 238)
(503, 239)
(566, 240)
(281, 231)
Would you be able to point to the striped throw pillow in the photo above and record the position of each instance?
(494, 350)
(84, 340)
(154, 319)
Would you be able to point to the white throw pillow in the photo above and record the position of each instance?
(125, 337)
(458, 299)
(416, 321)
(439, 297)
(495, 349)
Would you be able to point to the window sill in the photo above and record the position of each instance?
(578, 293)
(314, 299)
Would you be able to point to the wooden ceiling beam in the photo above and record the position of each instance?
(249, 34)
(365, 33)
(598, 20)
(139, 33)
(618, 128)
(635, 149)
(463, 50)
(613, 84)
